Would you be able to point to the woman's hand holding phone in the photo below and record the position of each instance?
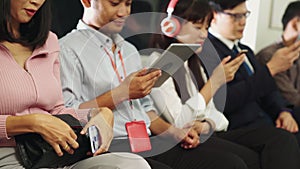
(103, 120)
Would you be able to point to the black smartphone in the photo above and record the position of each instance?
(243, 51)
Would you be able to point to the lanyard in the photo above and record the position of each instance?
(113, 64)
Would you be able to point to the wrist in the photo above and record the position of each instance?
(22, 124)
(171, 131)
(106, 113)
(210, 126)
(217, 81)
(119, 94)
(284, 113)
(272, 69)
(198, 126)
(38, 122)
(214, 84)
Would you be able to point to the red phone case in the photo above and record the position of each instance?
(138, 137)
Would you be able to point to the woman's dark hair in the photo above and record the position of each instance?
(32, 34)
(191, 10)
(291, 11)
(196, 11)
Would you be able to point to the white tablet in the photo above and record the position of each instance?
(172, 59)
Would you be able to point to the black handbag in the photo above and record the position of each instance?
(34, 152)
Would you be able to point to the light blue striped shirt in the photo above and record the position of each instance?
(87, 72)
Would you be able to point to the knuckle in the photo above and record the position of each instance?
(59, 140)
(145, 93)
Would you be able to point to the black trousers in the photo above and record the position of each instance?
(215, 153)
(277, 148)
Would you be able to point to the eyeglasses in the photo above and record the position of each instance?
(237, 16)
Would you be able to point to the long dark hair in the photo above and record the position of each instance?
(189, 10)
(32, 34)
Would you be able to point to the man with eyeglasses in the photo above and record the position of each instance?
(237, 16)
(252, 99)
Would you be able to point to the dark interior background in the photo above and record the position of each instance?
(66, 13)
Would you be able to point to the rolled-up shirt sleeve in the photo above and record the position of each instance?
(147, 104)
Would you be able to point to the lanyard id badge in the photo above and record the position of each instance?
(138, 137)
(136, 130)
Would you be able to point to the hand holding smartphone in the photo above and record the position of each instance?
(172, 59)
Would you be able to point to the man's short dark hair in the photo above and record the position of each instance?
(221, 5)
(292, 11)
(33, 33)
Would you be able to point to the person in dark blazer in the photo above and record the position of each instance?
(252, 97)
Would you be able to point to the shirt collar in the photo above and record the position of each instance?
(227, 42)
(104, 39)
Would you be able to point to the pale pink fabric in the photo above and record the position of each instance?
(34, 90)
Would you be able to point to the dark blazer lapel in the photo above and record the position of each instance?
(221, 48)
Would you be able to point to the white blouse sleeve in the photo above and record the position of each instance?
(170, 106)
